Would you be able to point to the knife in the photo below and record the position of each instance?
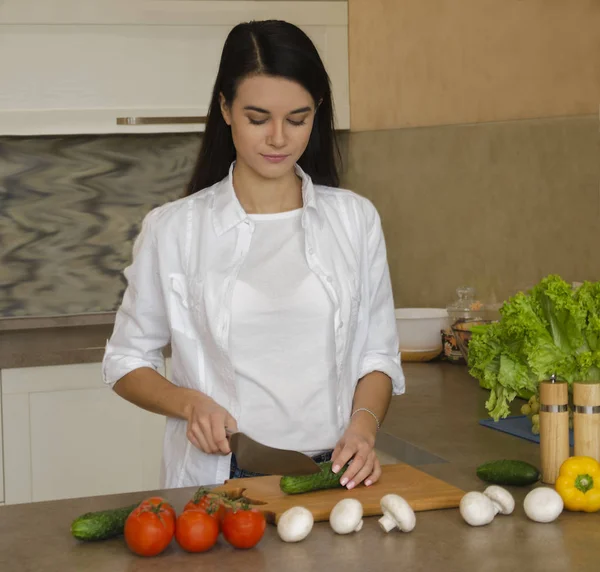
(258, 458)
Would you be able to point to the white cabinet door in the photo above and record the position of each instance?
(90, 63)
(68, 435)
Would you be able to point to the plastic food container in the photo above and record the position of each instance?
(420, 332)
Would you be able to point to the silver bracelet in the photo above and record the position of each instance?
(368, 411)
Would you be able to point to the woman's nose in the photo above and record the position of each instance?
(277, 134)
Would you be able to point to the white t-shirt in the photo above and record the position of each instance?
(282, 341)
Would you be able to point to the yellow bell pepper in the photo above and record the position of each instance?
(578, 484)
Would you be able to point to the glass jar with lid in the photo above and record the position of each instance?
(465, 307)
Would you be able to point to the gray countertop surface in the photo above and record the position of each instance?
(55, 340)
(438, 415)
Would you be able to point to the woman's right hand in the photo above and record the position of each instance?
(207, 421)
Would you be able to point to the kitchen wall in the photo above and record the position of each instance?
(475, 132)
(493, 205)
(74, 183)
(70, 210)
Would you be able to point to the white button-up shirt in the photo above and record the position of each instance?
(185, 263)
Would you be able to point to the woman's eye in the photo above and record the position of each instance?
(263, 121)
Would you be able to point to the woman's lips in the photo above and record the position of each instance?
(275, 158)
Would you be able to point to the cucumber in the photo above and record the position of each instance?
(102, 524)
(326, 479)
(505, 472)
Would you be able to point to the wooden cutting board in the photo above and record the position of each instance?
(420, 490)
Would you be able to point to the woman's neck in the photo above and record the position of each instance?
(258, 195)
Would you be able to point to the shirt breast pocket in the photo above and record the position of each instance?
(185, 305)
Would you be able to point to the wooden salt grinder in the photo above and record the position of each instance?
(554, 428)
(586, 419)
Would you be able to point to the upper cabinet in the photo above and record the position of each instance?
(97, 66)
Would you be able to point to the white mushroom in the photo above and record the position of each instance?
(477, 509)
(346, 516)
(543, 504)
(503, 501)
(396, 513)
(295, 524)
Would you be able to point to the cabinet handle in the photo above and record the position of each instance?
(159, 120)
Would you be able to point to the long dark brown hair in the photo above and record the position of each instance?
(278, 49)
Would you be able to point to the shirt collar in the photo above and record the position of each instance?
(228, 212)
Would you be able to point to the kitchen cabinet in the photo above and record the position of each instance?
(80, 66)
(67, 435)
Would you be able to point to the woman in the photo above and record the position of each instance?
(270, 283)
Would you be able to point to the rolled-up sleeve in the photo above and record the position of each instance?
(141, 328)
(381, 351)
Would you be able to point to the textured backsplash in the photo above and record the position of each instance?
(70, 209)
(494, 205)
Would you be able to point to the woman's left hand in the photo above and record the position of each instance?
(357, 445)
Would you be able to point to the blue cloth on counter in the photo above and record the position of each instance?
(518, 426)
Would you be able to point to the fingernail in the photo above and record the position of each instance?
(351, 486)
(336, 468)
(343, 482)
(368, 483)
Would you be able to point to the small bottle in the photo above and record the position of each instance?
(586, 419)
(462, 309)
(465, 307)
(554, 428)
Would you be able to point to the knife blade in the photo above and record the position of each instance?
(258, 458)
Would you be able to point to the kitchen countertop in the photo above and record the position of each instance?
(55, 340)
(438, 414)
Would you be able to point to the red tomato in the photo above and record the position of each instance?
(243, 528)
(149, 529)
(196, 531)
(155, 501)
(211, 503)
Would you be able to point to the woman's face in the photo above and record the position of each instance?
(271, 119)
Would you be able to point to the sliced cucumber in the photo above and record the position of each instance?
(326, 479)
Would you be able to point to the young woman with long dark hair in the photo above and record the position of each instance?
(270, 283)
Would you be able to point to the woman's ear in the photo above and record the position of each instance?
(225, 111)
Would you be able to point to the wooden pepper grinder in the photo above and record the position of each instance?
(554, 427)
(586, 419)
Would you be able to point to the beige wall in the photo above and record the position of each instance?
(436, 62)
(496, 205)
(475, 132)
